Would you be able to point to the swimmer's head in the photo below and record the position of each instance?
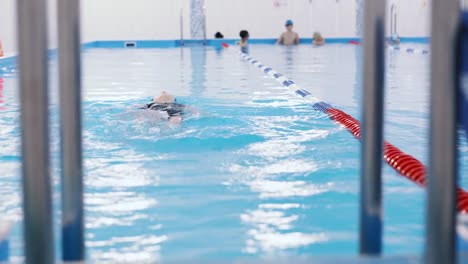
(289, 24)
(244, 34)
(317, 36)
(164, 98)
(394, 37)
(218, 35)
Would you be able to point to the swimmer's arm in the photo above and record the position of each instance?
(190, 109)
(145, 106)
(175, 119)
(296, 40)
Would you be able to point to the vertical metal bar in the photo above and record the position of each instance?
(395, 22)
(441, 189)
(33, 64)
(391, 19)
(182, 27)
(70, 113)
(204, 25)
(372, 123)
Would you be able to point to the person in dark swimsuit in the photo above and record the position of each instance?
(166, 103)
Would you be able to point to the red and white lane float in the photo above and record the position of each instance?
(406, 165)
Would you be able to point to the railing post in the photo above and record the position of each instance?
(33, 81)
(441, 185)
(205, 42)
(70, 114)
(372, 128)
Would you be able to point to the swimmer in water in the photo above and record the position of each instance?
(394, 40)
(244, 45)
(318, 39)
(167, 104)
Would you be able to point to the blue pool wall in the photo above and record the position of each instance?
(11, 60)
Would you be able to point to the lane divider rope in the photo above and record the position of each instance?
(406, 165)
(407, 50)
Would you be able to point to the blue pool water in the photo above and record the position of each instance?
(252, 172)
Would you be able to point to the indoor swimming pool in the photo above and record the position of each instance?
(253, 171)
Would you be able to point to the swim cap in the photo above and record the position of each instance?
(289, 22)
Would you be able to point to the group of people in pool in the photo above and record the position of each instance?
(290, 37)
(287, 38)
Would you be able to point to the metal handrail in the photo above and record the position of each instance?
(370, 242)
(71, 146)
(441, 189)
(33, 82)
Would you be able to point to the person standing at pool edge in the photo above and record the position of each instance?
(289, 37)
(244, 46)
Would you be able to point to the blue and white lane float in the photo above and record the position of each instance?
(404, 164)
(397, 48)
(409, 50)
(278, 77)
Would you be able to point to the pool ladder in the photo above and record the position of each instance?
(37, 209)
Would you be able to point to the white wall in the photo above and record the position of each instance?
(412, 17)
(265, 20)
(8, 25)
(160, 19)
(134, 20)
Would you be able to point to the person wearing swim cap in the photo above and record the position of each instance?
(167, 104)
(289, 37)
